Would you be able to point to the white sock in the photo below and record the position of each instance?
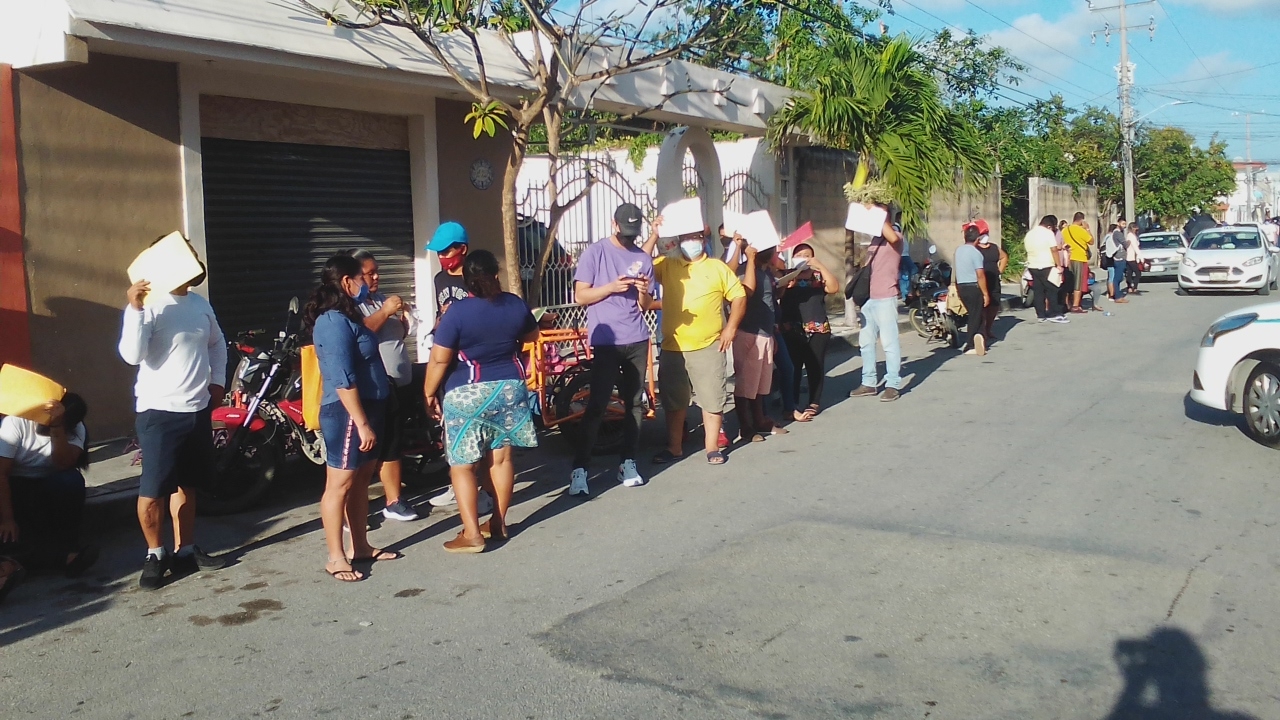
(186, 550)
(159, 552)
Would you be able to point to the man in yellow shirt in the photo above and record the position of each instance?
(1078, 239)
(695, 338)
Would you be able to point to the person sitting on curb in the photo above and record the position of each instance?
(42, 489)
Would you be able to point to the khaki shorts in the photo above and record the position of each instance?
(681, 375)
(752, 365)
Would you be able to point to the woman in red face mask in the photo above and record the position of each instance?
(450, 246)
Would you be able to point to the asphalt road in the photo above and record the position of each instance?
(1048, 532)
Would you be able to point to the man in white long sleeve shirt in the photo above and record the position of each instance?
(182, 359)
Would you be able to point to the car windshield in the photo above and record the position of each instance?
(1227, 240)
(1160, 242)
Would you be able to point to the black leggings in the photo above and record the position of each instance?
(623, 367)
(48, 512)
(1046, 294)
(971, 296)
(809, 352)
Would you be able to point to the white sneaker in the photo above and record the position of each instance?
(578, 483)
(1061, 320)
(444, 499)
(484, 503)
(628, 475)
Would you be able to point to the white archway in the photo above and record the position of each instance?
(670, 172)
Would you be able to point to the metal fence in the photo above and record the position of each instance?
(591, 219)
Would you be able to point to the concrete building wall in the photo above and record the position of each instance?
(1050, 197)
(479, 211)
(820, 177)
(949, 212)
(101, 179)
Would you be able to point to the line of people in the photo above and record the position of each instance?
(1059, 259)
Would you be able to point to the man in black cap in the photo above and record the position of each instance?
(613, 281)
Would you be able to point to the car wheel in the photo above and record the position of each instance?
(1262, 404)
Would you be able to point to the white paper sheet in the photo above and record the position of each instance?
(760, 232)
(167, 265)
(682, 217)
(868, 220)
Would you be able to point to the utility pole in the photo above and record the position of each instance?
(1127, 125)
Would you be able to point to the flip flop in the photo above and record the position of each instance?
(666, 456)
(352, 575)
(716, 458)
(805, 415)
(11, 580)
(377, 555)
(85, 558)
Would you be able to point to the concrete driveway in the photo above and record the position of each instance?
(1052, 531)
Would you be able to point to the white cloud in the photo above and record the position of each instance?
(1201, 77)
(1231, 6)
(1068, 34)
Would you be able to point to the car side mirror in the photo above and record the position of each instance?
(1182, 251)
(933, 249)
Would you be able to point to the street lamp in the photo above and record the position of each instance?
(1126, 132)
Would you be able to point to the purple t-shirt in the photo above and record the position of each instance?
(615, 320)
(884, 269)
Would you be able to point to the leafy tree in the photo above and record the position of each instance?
(1175, 175)
(568, 50)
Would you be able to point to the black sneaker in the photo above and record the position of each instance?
(196, 560)
(153, 570)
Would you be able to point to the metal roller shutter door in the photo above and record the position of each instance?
(275, 212)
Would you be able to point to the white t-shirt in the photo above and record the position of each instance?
(31, 452)
(1040, 242)
(179, 350)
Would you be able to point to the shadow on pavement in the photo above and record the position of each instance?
(1165, 678)
(1207, 415)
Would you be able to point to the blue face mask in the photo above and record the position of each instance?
(363, 295)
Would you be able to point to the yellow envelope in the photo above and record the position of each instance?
(312, 389)
(167, 265)
(24, 393)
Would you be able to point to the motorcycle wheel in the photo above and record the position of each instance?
(572, 398)
(953, 333)
(917, 322)
(247, 478)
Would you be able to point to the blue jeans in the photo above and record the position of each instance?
(880, 320)
(784, 372)
(1115, 278)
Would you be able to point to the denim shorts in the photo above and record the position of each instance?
(341, 441)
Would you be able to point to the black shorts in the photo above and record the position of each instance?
(177, 451)
(391, 441)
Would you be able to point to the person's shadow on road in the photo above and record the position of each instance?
(1165, 678)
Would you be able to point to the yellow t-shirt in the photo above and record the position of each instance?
(693, 298)
(1078, 240)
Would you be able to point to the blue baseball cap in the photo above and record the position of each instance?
(447, 235)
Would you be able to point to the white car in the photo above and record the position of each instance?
(1162, 249)
(1239, 369)
(1233, 257)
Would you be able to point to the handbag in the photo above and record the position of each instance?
(954, 304)
(311, 387)
(858, 289)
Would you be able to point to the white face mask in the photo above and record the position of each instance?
(796, 262)
(692, 249)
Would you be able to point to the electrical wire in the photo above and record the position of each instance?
(1177, 30)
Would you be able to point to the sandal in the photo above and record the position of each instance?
(348, 575)
(376, 556)
(716, 458)
(666, 456)
(758, 437)
(805, 415)
(486, 531)
(10, 581)
(85, 558)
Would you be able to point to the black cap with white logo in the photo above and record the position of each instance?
(629, 219)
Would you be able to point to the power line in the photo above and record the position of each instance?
(1033, 37)
(1220, 75)
(1184, 42)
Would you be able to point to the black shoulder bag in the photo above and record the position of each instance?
(858, 289)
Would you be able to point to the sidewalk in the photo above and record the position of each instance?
(112, 478)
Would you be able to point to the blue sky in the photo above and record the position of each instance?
(1217, 56)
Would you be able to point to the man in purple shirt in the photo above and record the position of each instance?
(880, 317)
(613, 282)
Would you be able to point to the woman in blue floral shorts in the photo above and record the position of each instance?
(485, 412)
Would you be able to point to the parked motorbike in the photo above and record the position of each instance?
(927, 302)
(261, 427)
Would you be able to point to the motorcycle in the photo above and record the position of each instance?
(261, 426)
(927, 302)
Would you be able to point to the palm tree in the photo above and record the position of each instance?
(882, 101)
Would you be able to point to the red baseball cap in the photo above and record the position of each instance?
(981, 224)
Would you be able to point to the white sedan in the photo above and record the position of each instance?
(1236, 257)
(1239, 369)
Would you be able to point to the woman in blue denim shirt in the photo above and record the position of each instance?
(354, 391)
